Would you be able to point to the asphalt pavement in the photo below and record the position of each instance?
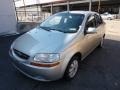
(99, 71)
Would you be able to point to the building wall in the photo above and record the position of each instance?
(20, 3)
(42, 8)
(7, 17)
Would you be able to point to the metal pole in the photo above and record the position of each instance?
(40, 11)
(15, 11)
(41, 14)
(68, 6)
(37, 3)
(119, 13)
(24, 8)
(37, 12)
(90, 5)
(51, 8)
(99, 6)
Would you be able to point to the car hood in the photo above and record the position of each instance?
(42, 41)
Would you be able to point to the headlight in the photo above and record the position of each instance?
(46, 58)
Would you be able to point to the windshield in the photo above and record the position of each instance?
(63, 22)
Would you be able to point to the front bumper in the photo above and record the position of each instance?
(35, 72)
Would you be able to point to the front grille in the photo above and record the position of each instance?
(21, 55)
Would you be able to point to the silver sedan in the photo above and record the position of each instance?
(55, 47)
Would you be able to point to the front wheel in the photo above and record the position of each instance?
(72, 68)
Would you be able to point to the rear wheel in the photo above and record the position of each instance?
(72, 68)
(101, 43)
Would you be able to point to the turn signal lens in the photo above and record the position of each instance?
(44, 65)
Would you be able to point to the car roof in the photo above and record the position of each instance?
(81, 12)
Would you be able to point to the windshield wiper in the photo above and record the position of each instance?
(45, 28)
(59, 30)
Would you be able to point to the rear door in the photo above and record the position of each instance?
(99, 28)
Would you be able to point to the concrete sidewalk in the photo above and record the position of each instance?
(113, 27)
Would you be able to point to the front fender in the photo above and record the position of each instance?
(69, 54)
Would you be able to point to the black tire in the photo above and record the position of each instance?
(68, 75)
(101, 43)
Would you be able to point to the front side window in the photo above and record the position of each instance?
(91, 22)
(98, 20)
(64, 22)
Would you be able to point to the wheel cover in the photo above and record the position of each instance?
(73, 68)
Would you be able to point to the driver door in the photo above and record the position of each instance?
(89, 38)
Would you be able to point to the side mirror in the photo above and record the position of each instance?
(91, 30)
